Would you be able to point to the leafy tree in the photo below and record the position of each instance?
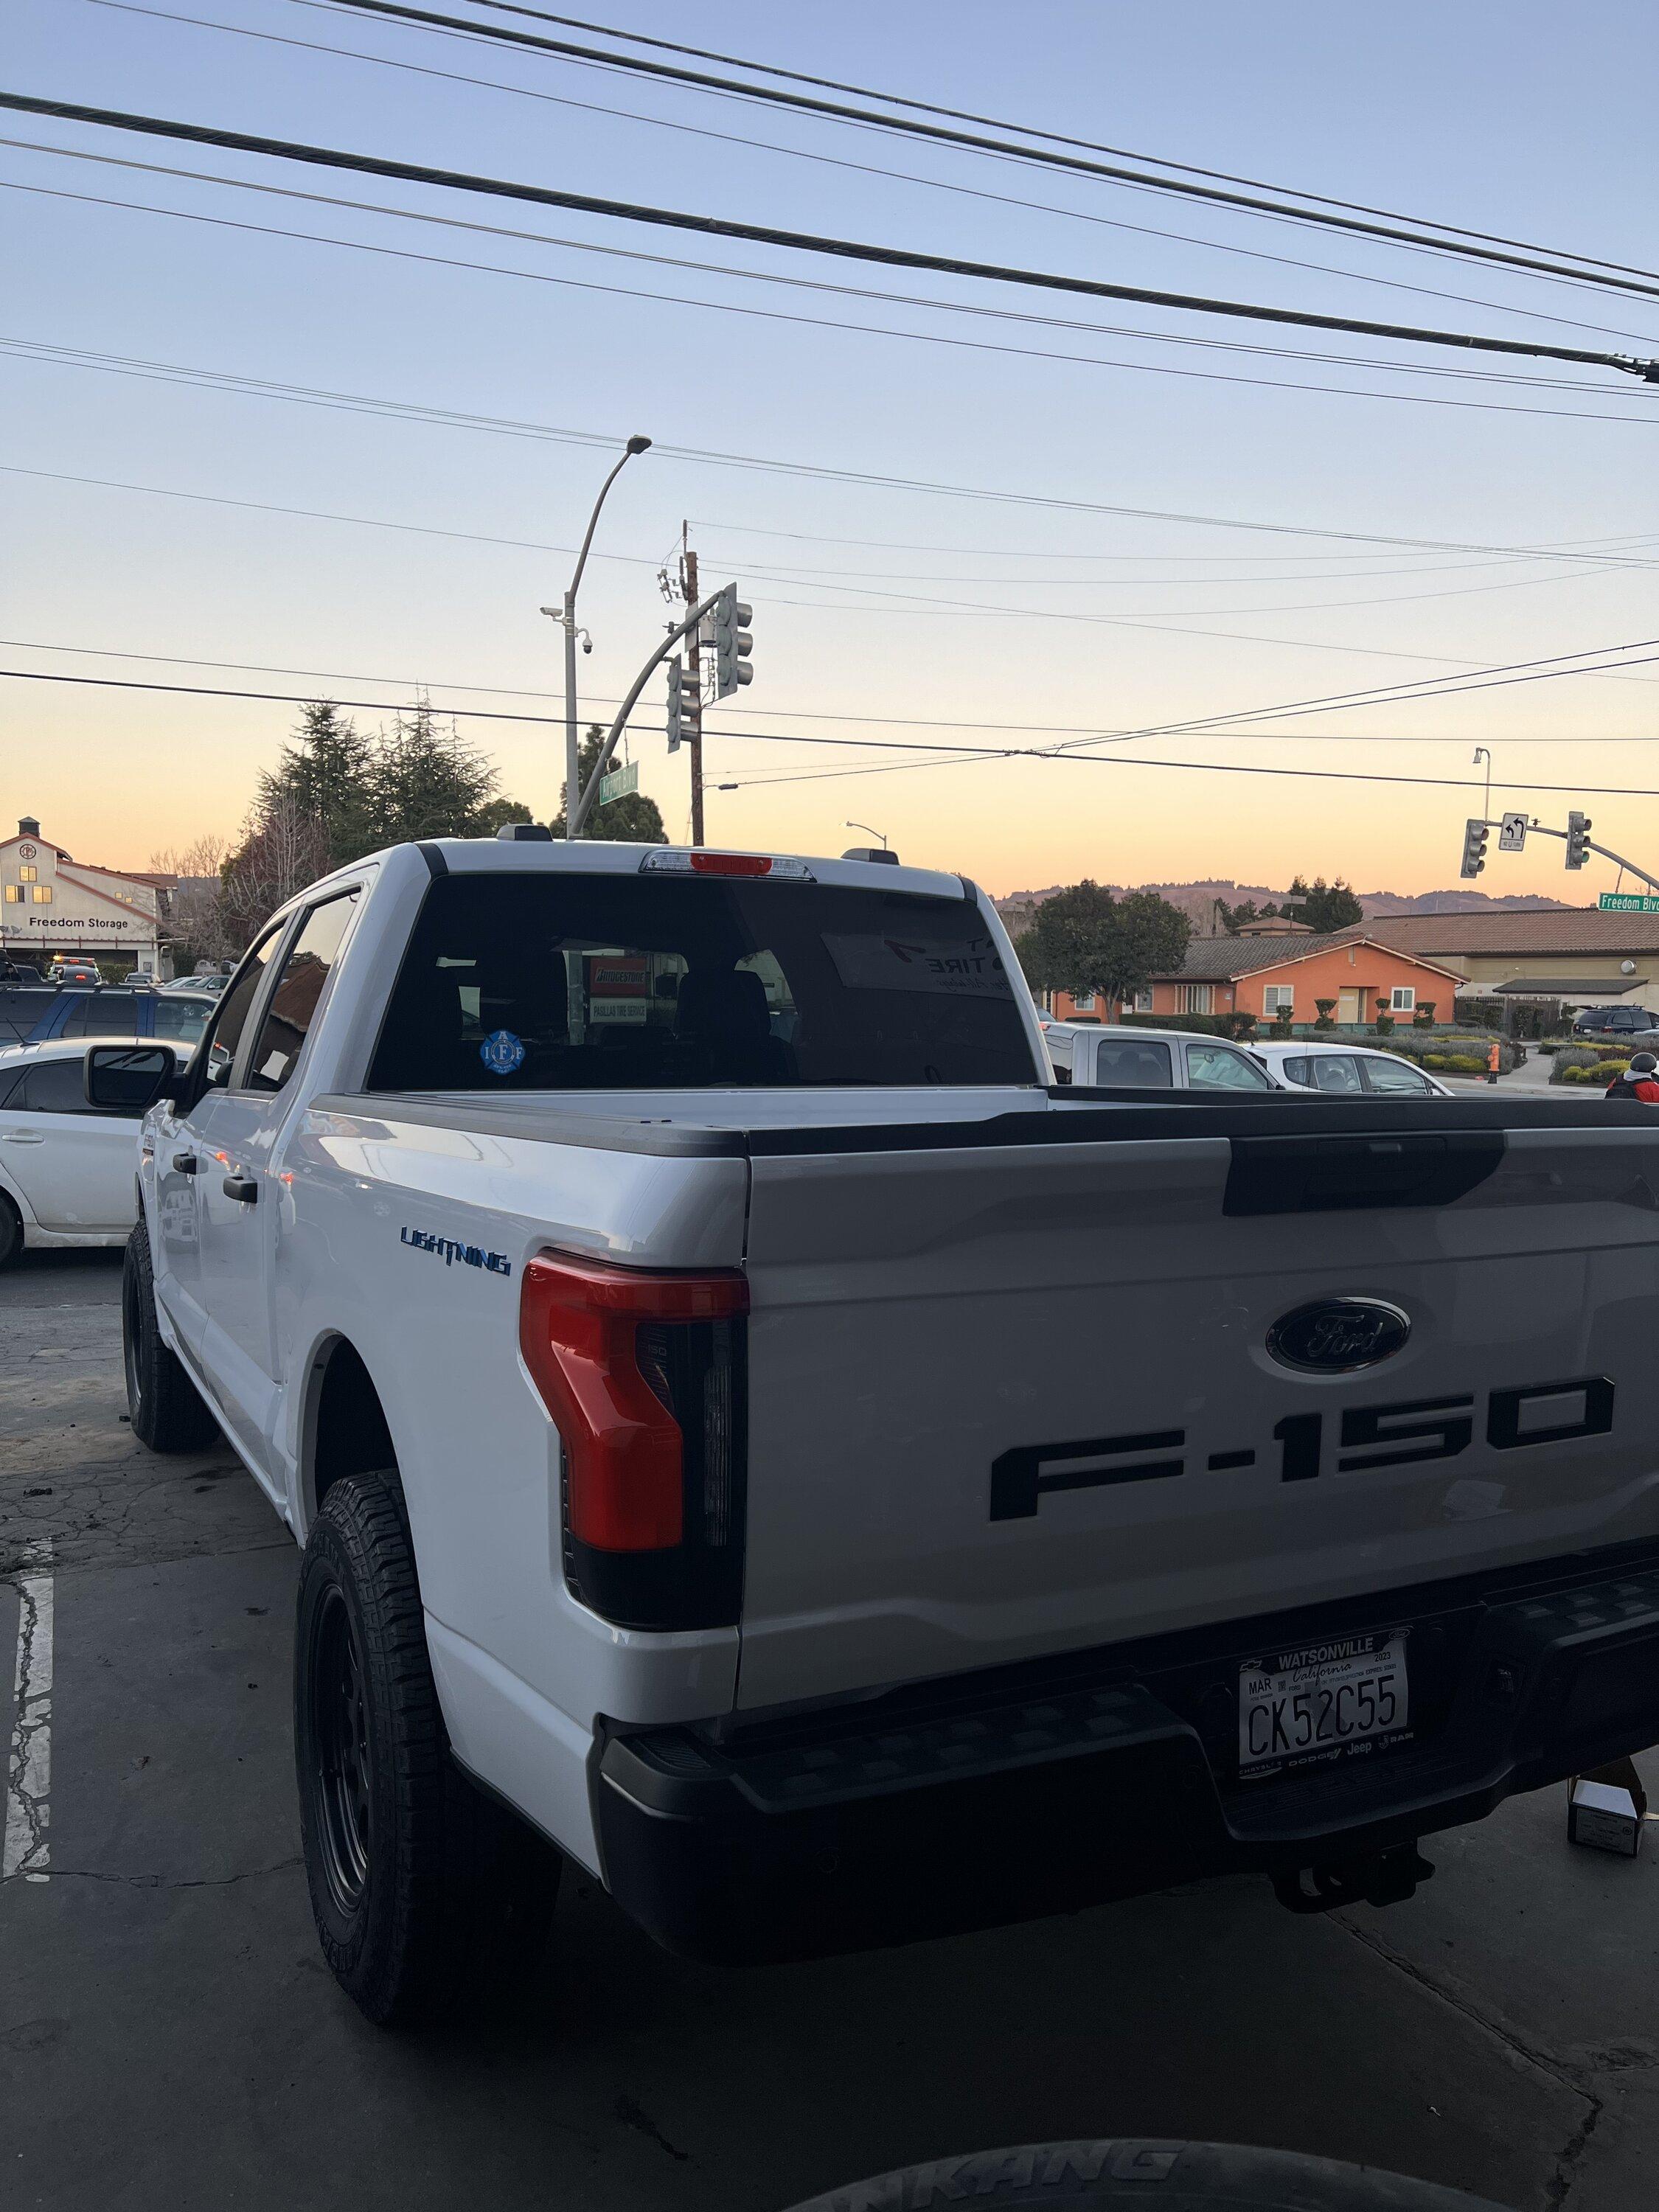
(1083, 938)
(495, 813)
(325, 775)
(632, 820)
(426, 781)
(1325, 907)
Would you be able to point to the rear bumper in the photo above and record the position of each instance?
(995, 1797)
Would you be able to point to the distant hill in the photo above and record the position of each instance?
(1198, 900)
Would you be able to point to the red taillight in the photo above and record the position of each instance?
(731, 864)
(580, 1328)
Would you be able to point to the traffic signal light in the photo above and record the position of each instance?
(732, 643)
(676, 704)
(1578, 829)
(1474, 846)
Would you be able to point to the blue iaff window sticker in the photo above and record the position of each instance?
(501, 1052)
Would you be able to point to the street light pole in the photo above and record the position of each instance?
(850, 824)
(572, 750)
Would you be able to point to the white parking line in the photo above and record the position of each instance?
(28, 1775)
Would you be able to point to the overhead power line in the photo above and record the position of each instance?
(1089, 760)
(764, 465)
(1534, 261)
(815, 156)
(1029, 131)
(841, 323)
(797, 713)
(805, 242)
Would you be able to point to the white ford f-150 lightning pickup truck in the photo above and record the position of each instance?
(753, 1434)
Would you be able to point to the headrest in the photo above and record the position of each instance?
(728, 1002)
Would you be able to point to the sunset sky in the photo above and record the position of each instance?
(971, 603)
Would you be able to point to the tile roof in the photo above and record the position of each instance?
(1524, 934)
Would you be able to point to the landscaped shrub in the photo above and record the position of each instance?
(1453, 1063)
(1323, 1009)
(1602, 1073)
(1571, 1063)
(1424, 1018)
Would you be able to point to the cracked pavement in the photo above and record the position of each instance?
(169, 2037)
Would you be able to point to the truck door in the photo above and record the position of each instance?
(239, 1196)
(182, 1157)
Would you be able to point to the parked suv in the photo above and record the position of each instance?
(1616, 1022)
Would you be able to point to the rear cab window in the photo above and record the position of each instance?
(561, 981)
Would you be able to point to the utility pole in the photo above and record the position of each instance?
(689, 585)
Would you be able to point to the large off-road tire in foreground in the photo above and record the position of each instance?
(426, 1893)
(1162, 2177)
(167, 1411)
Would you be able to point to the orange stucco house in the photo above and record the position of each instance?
(1285, 969)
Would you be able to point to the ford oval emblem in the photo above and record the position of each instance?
(1334, 1336)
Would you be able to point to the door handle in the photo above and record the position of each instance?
(22, 1137)
(243, 1189)
(184, 1164)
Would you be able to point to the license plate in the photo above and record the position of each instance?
(1321, 1701)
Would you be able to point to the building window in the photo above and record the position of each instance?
(29, 875)
(1278, 998)
(1194, 998)
(43, 894)
(14, 895)
(1084, 1001)
(1144, 1000)
(1402, 1000)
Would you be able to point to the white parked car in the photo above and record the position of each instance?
(1119, 1057)
(1350, 1071)
(68, 1170)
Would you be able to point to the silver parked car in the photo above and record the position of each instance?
(1350, 1071)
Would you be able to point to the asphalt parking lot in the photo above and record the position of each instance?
(170, 2038)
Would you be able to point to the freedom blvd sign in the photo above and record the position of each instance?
(1627, 903)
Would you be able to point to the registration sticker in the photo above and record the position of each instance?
(1321, 1701)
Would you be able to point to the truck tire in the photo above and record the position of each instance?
(11, 1233)
(1164, 2177)
(426, 1893)
(167, 1410)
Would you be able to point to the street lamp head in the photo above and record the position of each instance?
(636, 444)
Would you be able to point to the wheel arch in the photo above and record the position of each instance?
(343, 1425)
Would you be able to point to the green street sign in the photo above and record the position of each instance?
(621, 781)
(1627, 903)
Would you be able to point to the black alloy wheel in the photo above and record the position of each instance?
(339, 1723)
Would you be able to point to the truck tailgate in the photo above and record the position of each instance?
(1014, 1398)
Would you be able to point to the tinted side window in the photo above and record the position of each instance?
(232, 1017)
(1139, 1064)
(21, 1007)
(292, 1004)
(1298, 1069)
(103, 1013)
(53, 1086)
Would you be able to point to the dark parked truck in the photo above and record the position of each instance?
(754, 1437)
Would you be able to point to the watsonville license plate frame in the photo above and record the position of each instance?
(1343, 1697)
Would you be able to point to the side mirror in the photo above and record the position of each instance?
(128, 1078)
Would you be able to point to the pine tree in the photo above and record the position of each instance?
(426, 781)
(324, 776)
